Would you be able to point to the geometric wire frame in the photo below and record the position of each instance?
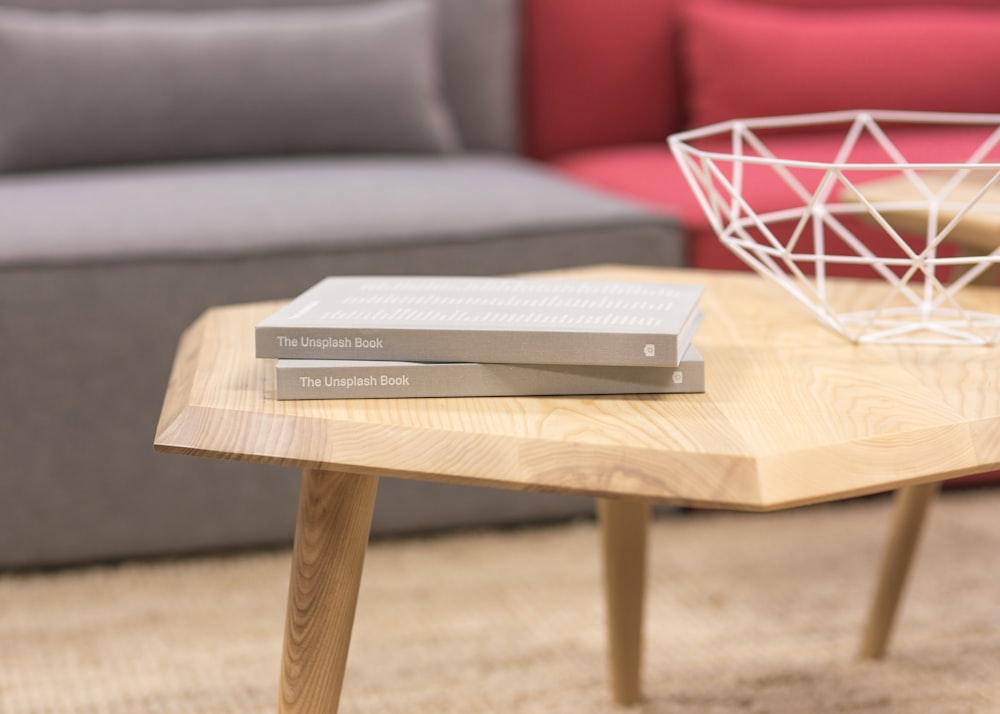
(877, 205)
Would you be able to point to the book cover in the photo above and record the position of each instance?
(351, 379)
(494, 320)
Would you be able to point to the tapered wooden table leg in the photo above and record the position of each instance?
(624, 532)
(908, 516)
(331, 537)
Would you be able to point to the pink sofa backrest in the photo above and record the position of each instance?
(610, 72)
(596, 72)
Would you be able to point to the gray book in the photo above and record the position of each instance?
(493, 320)
(349, 379)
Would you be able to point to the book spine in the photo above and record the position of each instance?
(485, 346)
(329, 379)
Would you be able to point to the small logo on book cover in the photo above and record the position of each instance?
(649, 350)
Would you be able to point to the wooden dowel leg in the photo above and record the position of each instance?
(624, 533)
(331, 537)
(909, 510)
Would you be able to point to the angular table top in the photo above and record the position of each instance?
(793, 412)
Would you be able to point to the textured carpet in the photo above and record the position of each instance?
(746, 613)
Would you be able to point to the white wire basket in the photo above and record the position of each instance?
(880, 204)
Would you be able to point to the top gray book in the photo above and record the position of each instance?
(473, 319)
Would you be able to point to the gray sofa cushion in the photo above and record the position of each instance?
(133, 86)
(287, 206)
(479, 55)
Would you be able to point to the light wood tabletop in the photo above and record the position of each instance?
(793, 414)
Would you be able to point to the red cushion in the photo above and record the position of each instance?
(597, 72)
(649, 174)
(743, 59)
(837, 4)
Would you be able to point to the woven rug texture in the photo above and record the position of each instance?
(746, 613)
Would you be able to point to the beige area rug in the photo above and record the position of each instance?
(746, 613)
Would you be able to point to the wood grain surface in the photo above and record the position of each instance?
(331, 538)
(793, 413)
(624, 535)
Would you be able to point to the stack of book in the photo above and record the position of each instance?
(384, 337)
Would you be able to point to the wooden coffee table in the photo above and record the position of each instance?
(793, 415)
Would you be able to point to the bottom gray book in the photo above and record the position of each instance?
(344, 379)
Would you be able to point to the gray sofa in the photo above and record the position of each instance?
(132, 197)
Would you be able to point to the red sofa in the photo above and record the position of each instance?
(605, 82)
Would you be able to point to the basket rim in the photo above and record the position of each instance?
(680, 142)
